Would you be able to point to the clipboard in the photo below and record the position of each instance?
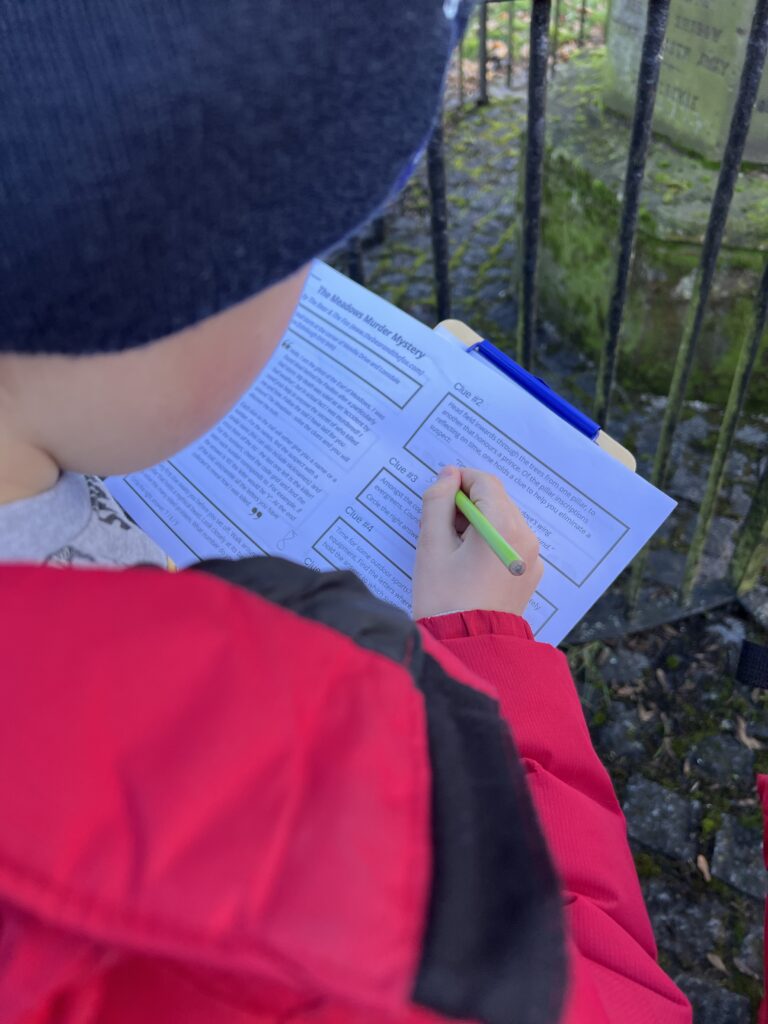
(537, 387)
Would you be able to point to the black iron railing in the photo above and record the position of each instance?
(544, 35)
(534, 165)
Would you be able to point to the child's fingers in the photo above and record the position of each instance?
(490, 496)
(461, 523)
(488, 493)
(483, 488)
(461, 571)
(438, 514)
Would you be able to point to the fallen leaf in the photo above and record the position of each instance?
(703, 865)
(741, 735)
(645, 714)
(744, 967)
(717, 962)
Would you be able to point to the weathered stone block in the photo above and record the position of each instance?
(756, 603)
(585, 163)
(749, 959)
(722, 760)
(704, 53)
(660, 819)
(621, 738)
(686, 928)
(625, 666)
(730, 634)
(712, 1004)
(738, 858)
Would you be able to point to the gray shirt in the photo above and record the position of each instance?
(77, 522)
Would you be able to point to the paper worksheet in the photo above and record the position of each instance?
(325, 458)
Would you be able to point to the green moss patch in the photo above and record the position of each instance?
(583, 184)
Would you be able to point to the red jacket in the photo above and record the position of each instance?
(216, 808)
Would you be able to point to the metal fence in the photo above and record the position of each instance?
(751, 548)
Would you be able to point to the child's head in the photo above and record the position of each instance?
(164, 164)
(118, 412)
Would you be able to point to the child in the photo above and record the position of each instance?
(268, 796)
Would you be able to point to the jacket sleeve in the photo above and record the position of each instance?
(614, 967)
(762, 789)
(170, 759)
(271, 783)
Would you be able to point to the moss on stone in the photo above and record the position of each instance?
(746, 986)
(710, 823)
(752, 818)
(646, 866)
(583, 183)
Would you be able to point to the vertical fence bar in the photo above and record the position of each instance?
(510, 42)
(731, 415)
(734, 150)
(534, 161)
(355, 266)
(482, 52)
(582, 22)
(729, 170)
(751, 551)
(461, 71)
(555, 36)
(439, 220)
(379, 231)
(647, 82)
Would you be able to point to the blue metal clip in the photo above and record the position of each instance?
(537, 387)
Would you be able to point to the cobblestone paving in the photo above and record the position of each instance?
(681, 739)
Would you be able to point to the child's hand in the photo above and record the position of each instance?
(455, 568)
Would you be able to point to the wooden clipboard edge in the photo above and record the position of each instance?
(461, 332)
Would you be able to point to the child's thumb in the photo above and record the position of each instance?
(438, 514)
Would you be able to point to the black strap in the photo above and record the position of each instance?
(752, 669)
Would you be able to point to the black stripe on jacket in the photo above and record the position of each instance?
(494, 939)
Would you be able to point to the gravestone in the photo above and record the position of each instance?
(703, 55)
(584, 169)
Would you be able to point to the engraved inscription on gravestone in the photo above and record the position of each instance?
(703, 57)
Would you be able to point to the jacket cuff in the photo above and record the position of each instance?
(476, 623)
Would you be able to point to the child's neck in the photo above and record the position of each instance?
(25, 470)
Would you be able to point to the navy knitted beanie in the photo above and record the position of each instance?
(161, 160)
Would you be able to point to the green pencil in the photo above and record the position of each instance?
(490, 535)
